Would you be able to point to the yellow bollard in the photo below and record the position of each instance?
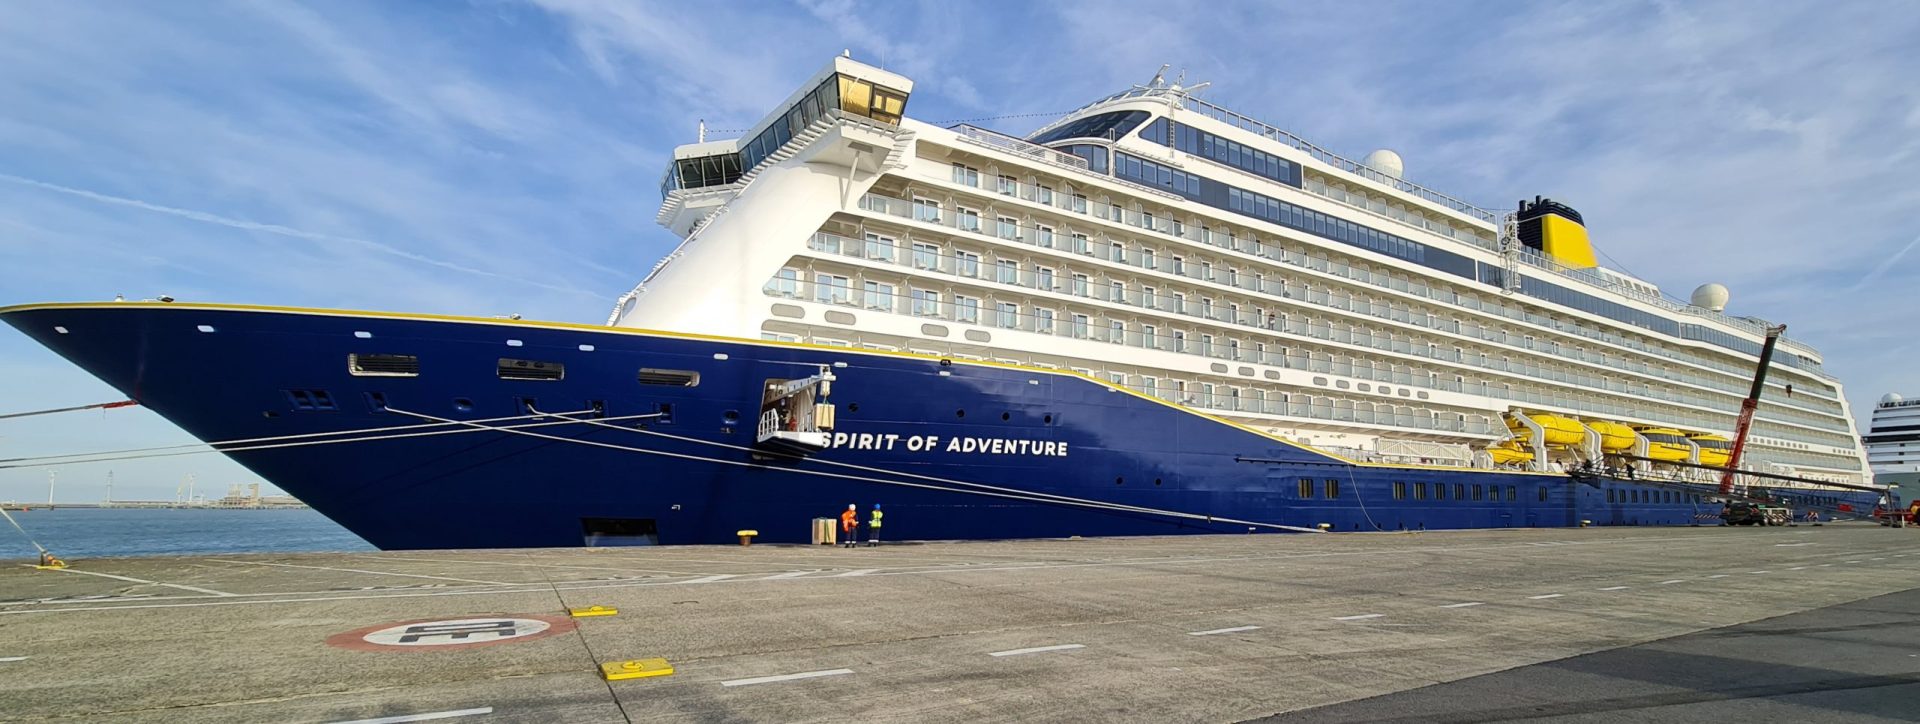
(635, 669)
(746, 536)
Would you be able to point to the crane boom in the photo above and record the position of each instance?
(1748, 406)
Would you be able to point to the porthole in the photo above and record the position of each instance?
(1048, 419)
(731, 416)
(1120, 481)
(60, 330)
(206, 328)
(463, 404)
(853, 407)
(1156, 481)
(959, 413)
(1005, 416)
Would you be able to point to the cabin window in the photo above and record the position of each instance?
(383, 365)
(1399, 490)
(1333, 488)
(1419, 491)
(1306, 488)
(526, 369)
(669, 378)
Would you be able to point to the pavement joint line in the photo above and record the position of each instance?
(422, 717)
(1037, 650)
(4, 659)
(1465, 604)
(1676, 580)
(1358, 617)
(1615, 588)
(357, 570)
(182, 587)
(788, 574)
(785, 677)
(1236, 629)
(1546, 596)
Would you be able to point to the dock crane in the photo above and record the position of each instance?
(1748, 406)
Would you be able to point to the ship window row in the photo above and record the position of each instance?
(838, 94)
(1022, 314)
(1200, 143)
(1637, 495)
(1393, 209)
(1106, 126)
(935, 258)
(967, 219)
(1440, 260)
(1461, 491)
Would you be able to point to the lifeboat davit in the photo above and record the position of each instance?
(1715, 450)
(1509, 452)
(1559, 430)
(1666, 444)
(1614, 437)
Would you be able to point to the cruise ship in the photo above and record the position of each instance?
(1152, 315)
(1893, 442)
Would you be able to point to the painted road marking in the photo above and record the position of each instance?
(1464, 605)
(422, 717)
(1853, 561)
(194, 589)
(1038, 649)
(1718, 575)
(1360, 617)
(861, 572)
(1546, 595)
(1876, 559)
(1824, 565)
(785, 677)
(12, 658)
(710, 579)
(1676, 580)
(1614, 588)
(1790, 545)
(357, 570)
(1759, 571)
(450, 633)
(788, 574)
(1235, 629)
(1798, 568)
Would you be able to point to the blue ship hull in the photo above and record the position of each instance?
(952, 450)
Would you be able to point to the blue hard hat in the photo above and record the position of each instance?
(876, 506)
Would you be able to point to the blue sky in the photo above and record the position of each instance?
(494, 157)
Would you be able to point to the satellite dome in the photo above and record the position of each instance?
(1386, 162)
(1890, 398)
(1711, 296)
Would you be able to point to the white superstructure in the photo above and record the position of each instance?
(1893, 445)
(1172, 246)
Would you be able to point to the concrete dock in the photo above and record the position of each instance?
(1218, 628)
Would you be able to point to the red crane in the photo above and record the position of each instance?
(1748, 406)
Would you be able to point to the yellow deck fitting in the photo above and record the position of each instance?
(635, 669)
(592, 611)
(746, 536)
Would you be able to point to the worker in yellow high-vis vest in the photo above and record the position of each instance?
(873, 526)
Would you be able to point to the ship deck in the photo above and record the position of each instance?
(1196, 628)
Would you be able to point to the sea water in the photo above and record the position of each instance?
(76, 533)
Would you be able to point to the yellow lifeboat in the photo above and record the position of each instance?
(1715, 450)
(1666, 443)
(1509, 452)
(1614, 437)
(1559, 430)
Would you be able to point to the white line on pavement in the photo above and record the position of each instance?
(1676, 580)
(1614, 588)
(194, 589)
(1464, 605)
(1798, 568)
(357, 570)
(788, 574)
(1759, 571)
(710, 579)
(1718, 575)
(1876, 559)
(785, 677)
(1235, 629)
(12, 658)
(1359, 617)
(422, 717)
(1546, 595)
(861, 572)
(1853, 561)
(1038, 649)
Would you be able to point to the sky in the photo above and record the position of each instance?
(503, 157)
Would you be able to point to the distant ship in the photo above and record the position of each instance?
(1893, 442)
(1151, 316)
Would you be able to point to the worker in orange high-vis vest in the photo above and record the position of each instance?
(850, 526)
